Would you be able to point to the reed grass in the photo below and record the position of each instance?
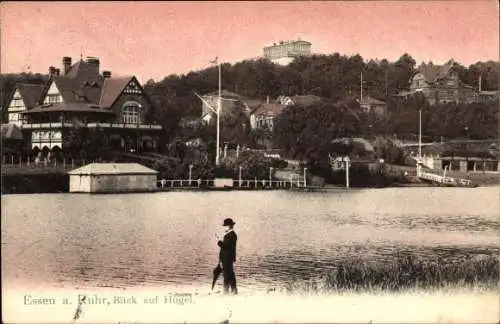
(405, 274)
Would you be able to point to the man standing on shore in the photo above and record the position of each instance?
(227, 256)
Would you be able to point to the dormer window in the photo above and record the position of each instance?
(53, 99)
(17, 103)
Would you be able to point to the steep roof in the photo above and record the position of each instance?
(433, 73)
(269, 109)
(82, 88)
(72, 106)
(111, 89)
(112, 169)
(30, 93)
(225, 94)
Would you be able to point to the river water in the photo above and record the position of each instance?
(161, 239)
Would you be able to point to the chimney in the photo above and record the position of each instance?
(480, 86)
(58, 72)
(52, 72)
(66, 61)
(106, 74)
(93, 61)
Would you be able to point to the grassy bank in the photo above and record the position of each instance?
(406, 274)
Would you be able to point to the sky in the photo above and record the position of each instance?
(152, 40)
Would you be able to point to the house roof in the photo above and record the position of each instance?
(269, 109)
(433, 73)
(11, 131)
(30, 93)
(76, 107)
(253, 103)
(112, 88)
(354, 140)
(367, 100)
(306, 100)
(112, 169)
(82, 88)
(225, 94)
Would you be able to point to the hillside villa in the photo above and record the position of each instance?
(79, 96)
(369, 105)
(441, 84)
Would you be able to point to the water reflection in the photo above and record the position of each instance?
(160, 239)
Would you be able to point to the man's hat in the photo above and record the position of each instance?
(228, 222)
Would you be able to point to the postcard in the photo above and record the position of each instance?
(250, 162)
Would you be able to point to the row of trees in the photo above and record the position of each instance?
(336, 78)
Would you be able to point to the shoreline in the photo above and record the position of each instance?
(326, 188)
(49, 181)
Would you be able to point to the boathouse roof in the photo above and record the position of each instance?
(112, 169)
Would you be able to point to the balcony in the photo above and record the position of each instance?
(46, 125)
(90, 125)
(124, 126)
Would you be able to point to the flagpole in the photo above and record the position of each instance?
(218, 118)
(419, 141)
(361, 96)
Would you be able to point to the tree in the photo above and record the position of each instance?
(85, 143)
(306, 133)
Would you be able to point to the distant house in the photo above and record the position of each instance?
(358, 149)
(231, 103)
(441, 84)
(80, 96)
(488, 96)
(264, 116)
(369, 104)
(441, 157)
(299, 100)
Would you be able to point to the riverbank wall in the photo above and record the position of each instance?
(56, 180)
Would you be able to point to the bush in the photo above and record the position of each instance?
(278, 163)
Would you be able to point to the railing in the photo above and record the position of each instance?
(237, 184)
(123, 125)
(90, 125)
(47, 125)
(17, 165)
(445, 180)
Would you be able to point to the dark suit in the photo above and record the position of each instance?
(227, 256)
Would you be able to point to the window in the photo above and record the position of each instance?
(17, 102)
(13, 118)
(131, 112)
(53, 99)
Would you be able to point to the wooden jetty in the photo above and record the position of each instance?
(442, 180)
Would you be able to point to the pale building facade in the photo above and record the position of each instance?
(112, 177)
(285, 51)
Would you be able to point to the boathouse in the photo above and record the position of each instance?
(112, 178)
